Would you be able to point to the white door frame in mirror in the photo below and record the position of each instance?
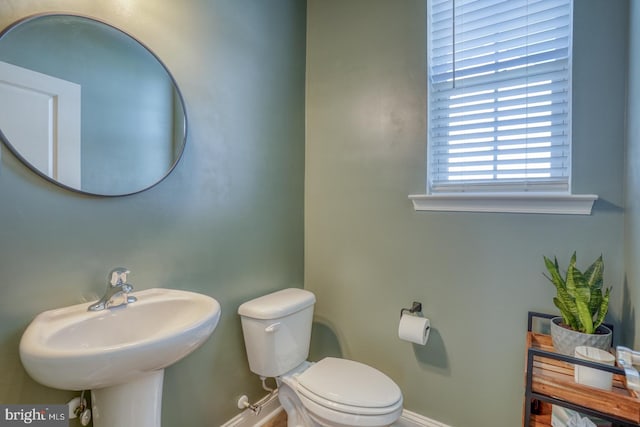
(45, 111)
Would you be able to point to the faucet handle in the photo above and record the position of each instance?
(118, 277)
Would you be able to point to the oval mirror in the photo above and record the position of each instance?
(87, 106)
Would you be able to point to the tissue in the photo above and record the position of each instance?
(414, 329)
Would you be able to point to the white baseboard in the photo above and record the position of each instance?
(271, 407)
(411, 419)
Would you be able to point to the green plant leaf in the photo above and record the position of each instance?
(565, 312)
(594, 274)
(552, 268)
(582, 290)
(596, 301)
(569, 281)
(604, 307)
(568, 308)
(584, 316)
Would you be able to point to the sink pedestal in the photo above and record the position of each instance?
(137, 403)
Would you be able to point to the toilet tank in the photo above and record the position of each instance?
(277, 330)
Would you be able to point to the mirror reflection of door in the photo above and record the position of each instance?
(42, 114)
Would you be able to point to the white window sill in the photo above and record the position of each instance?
(545, 203)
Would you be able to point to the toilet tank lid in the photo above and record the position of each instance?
(277, 304)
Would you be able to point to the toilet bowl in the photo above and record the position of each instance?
(340, 393)
(332, 392)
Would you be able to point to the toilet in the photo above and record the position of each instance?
(332, 392)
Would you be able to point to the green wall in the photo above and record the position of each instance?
(632, 199)
(368, 253)
(228, 222)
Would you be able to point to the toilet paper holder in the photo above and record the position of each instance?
(416, 307)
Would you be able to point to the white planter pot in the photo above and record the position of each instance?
(566, 340)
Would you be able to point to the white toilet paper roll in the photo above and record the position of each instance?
(414, 329)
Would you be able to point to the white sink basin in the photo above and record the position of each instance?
(118, 353)
(74, 349)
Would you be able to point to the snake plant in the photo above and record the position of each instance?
(579, 295)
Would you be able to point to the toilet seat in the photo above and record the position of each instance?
(333, 417)
(339, 390)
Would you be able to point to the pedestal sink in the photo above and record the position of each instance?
(119, 353)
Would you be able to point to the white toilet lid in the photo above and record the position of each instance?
(349, 383)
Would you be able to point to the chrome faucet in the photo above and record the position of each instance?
(117, 293)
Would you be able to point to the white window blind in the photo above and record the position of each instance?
(499, 95)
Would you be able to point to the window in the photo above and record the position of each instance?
(499, 98)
